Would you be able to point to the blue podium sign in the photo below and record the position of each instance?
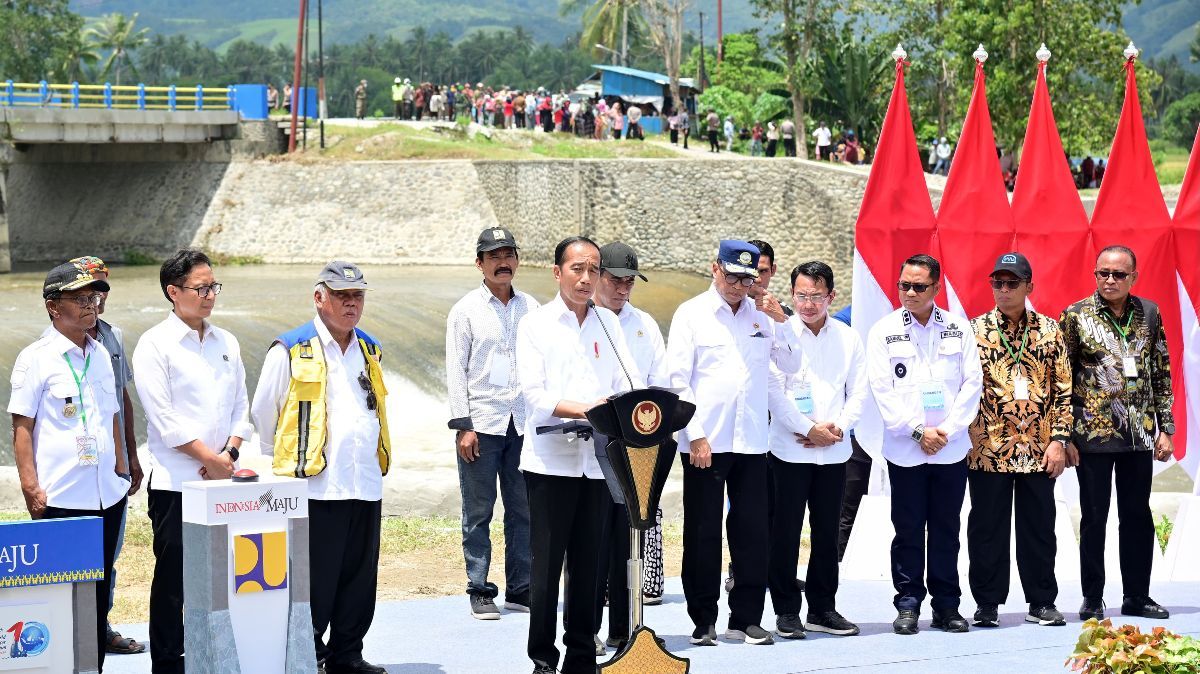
(48, 552)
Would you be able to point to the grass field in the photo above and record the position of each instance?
(399, 141)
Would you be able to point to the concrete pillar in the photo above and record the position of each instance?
(5, 250)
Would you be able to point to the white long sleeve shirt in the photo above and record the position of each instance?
(73, 476)
(830, 386)
(720, 361)
(645, 342)
(481, 359)
(190, 389)
(558, 359)
(351, 430)
(910, 366)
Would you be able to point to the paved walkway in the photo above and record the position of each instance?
(438, 636)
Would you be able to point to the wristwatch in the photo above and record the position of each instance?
(918, 433)
(233, 452)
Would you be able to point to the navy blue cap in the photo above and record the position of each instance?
(738, 257)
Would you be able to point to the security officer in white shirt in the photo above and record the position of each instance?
(618, 271)
(923, 365)
(812, 413)
(571, 356)
(192, 385)
(339, 443)
(718, 354)
(64, 417)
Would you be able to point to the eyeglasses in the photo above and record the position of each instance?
(203, 291)
(738, 279)
(84, 301)
(372, 401)
(1102, 274)
(1010, 284)
(815, 299)
(919, 288)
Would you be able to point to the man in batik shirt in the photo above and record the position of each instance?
(1017, 447)
(1121, 407)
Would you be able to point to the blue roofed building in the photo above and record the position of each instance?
(649, 91)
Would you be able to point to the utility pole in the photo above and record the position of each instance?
(296, 76)
(625, 33)
(702, 77)
(720, 32)
(321, 109)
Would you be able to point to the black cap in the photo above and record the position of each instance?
(70, 276)
(495, 237)
(1014, 263)
(619, 260)
(339, 275)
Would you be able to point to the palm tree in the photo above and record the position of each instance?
(608, 23)
(118, 33)
(78, 52)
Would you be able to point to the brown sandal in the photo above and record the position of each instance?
(120, 645)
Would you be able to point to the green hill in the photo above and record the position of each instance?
(1160, 27)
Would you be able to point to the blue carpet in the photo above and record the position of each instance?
(438, 636)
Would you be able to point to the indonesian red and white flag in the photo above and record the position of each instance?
(1187, 263)
(895, 221)
(1130, 211)
(974, 220)
(1052, 228)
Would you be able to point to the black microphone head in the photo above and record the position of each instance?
(591, 304)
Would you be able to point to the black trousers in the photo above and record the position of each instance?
(858, 480)
(704, 489)
(789, 147)
(613, 572)
(713, 145)
(819, 488)
(926, 500)
(344, 554)
(565, 518)
(111, 524)
(988, 527)
(166, 588)
(1134, 471)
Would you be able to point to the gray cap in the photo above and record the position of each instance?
(339, 275)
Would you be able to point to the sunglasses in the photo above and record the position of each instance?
(1010, 284)
(919, 288)
(372, 401)
(1102, 274)
(738, 279)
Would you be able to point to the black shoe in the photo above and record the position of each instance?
(752, 634)
(949, 621)
(905, 622)
(1144, 607)
(789, 626)
(987, 616)
(830, 622)
(517, 602)
(544, 669)
(483, 608)
(1091, 608)
(800, 585)
(1045, 615)
(704, 636)
(359, 666)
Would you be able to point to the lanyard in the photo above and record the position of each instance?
(79, 377)
(1008, 347)
(1123, 331)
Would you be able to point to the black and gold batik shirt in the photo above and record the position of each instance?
(1026, 401)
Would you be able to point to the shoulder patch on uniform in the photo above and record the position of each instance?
(18, 375)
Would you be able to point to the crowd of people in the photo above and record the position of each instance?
(1001, 405)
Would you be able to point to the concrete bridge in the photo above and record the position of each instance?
(79, 119)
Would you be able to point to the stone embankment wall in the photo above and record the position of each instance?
(672, 211)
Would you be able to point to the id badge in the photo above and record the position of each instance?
(87, 450)
(500, 370)
(804, 399)
(1130, 366)
(1020, 388)
(933, 397)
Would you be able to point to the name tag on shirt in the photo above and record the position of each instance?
(1020, 388)
(933, 397)
(87, 450)
(1130, 366)
(500, 370)
(804, 398)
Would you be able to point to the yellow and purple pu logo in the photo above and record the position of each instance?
(260, 562)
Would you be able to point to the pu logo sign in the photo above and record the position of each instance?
(260, 562)
(24, 639)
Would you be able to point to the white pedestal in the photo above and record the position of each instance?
(869, 550)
